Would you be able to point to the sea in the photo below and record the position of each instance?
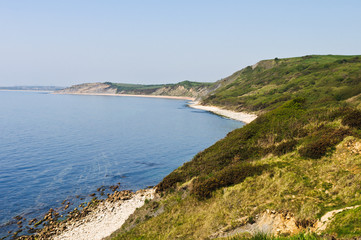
(64, 147)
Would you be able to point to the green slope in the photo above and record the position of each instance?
(320, 79)
(302, 155)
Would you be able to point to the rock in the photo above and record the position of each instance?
(31, 230)
(32, 221)
(38, 223)
(114, 187)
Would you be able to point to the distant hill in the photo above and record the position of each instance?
(183, 89)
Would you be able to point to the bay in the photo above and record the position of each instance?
(55, 147)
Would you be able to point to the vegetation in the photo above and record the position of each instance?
(322, 80)
(262, 236)
(301, 155)
(347, 223)
(312, 132)
(305, 187)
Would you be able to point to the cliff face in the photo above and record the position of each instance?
(88, 88)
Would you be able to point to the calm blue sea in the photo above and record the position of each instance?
(56, 147)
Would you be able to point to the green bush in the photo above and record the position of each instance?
(284, 147)
(352, 119)
(203, 187)
(170, 181)
(322, 140)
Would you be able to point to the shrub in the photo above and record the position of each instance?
(352, 119)
(170, 181)
(285, 147)
(322, 141)
(203, 187)
(315, 149)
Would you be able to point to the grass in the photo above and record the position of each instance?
(320, 79)
(305, 187)
(262, 236)
(312, 133)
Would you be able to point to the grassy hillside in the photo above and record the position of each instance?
(268, 84)
(300, 159)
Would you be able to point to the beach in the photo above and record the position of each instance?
(108, 217)
(239, 116)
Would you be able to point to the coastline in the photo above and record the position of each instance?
(239, 116)
(95, 220)
(129, 95)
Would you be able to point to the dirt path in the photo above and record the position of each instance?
(325, 219)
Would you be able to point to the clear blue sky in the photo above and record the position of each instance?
(72, 41)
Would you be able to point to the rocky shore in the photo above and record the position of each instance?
(94, 220)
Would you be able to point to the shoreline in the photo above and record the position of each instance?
(129, 95)
(106, 218)
(239, 116)
(95, 220)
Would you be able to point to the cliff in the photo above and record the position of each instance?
(88, 88)
(182, 89)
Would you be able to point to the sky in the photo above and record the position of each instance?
(62, 43)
